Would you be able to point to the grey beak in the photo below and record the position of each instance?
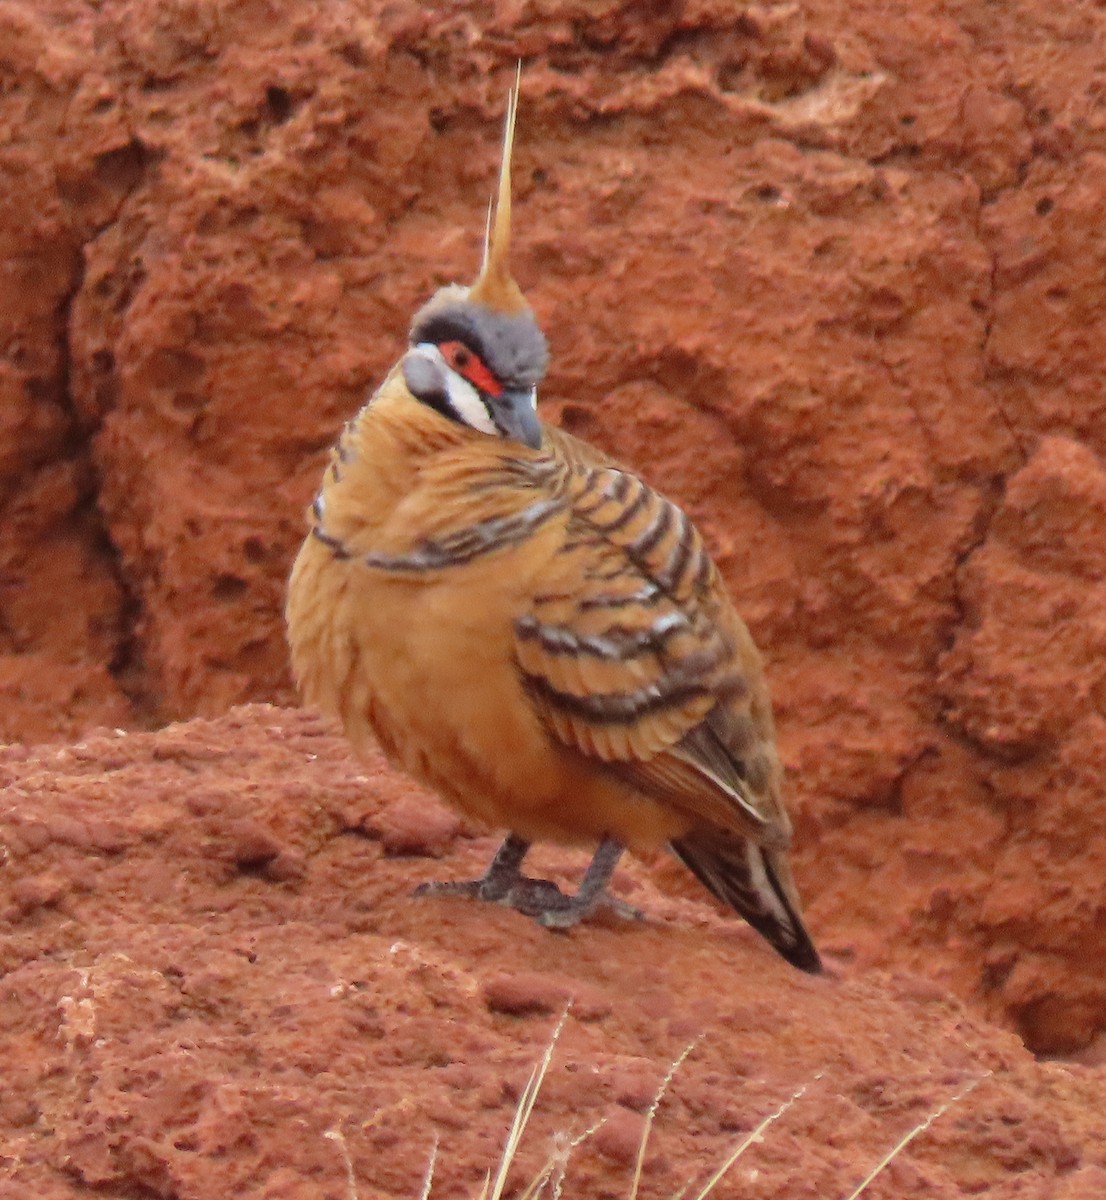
(514, 417)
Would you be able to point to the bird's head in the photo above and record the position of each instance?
(476, 353)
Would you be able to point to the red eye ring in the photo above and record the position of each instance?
(471, 366)
(457, 354)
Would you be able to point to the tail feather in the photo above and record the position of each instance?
(756, 883)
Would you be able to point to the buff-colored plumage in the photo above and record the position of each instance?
(541, 638)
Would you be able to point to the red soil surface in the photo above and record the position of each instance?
(831, 275)
(212, 965)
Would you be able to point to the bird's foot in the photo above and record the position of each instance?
(529, 896)
(503, 883)
(540, 899)
(575, 909)
(452, 887)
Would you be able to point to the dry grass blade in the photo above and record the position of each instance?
(905, 1141)
(428, 1180)
(749, 1139)
(562, 1163)
(555, 1166)
(651, 1114)
(523, 1110)
(336, 1136)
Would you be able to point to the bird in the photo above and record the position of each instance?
(525, 626)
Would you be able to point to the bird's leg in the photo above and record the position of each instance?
(592, 893)
(504, 871)
(504, 883)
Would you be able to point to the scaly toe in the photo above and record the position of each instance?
(533, 897)
(449, 887)
(621, 908)
(575, 910)
(563, 918)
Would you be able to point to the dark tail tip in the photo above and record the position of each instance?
(802, 955)
(721, 863)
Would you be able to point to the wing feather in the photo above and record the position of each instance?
(633, 655)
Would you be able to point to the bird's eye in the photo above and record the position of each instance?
(456, 354)
(469, 364)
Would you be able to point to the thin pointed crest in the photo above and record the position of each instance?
(488, 232)
(495, 288)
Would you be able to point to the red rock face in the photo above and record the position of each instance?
(832, 278)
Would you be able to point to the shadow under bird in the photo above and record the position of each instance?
(527, 627)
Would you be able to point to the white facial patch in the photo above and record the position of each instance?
(534, 398)
(464, 399)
